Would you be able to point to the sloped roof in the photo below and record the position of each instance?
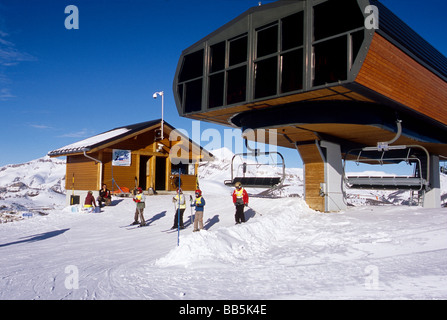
(107, 137)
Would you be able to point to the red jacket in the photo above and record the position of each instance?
(244, 195)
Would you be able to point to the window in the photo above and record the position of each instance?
(237, 85)
(192, 66)
(292, 65)
(217, 57)
(332, 18)
(216, 90)
(193, 96)
(238, 50)
(331, 61)
(266, 77)
(267, 41)
(190, 82)
(292, 31)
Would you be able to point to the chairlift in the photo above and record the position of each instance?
(384, 154)
(255, 181)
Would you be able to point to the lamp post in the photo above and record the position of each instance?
(161, 94)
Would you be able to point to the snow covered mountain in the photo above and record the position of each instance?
(31, 188)
(285, 250)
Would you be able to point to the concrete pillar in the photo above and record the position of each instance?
(322, 175)
(432, 198)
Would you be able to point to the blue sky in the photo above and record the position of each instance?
(59, 86)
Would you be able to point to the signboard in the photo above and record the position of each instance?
(121, 158)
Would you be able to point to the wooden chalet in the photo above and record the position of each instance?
(143, 158)
(324, 80)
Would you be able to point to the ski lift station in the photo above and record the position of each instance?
(336, 80)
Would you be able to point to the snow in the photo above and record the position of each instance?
(284, 251)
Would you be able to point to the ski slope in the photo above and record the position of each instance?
(284, 251)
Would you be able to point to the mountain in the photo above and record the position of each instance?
(33, 187)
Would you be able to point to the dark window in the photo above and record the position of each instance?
(356, 42)
(266, 77)
(292, 71)
(192, 66)
(238, 50)
(217, 57)
(292, 31)
(216, 90)
(193, 96)
(333, 17)
(236, 85)
(180, 93)
(331, 61)
(267, 40)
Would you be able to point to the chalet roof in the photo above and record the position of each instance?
(116, 134)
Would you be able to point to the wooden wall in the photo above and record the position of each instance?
(313, 175)
(88, 173)
(85, 171)
(392, 73)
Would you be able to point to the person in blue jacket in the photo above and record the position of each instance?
(199, 203)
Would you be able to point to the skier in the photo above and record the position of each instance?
(199, 203)
(139, 199)
(240, 199)
(180, 205)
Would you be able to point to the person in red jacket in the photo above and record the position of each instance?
(240, 200)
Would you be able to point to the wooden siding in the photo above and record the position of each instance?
(389, 71)
(85, 172)
(313, 175)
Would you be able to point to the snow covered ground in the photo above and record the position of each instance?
(284, 251)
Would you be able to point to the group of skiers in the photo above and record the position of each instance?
(240, 200)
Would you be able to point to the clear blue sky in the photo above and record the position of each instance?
(59, 86)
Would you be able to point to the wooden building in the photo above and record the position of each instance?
(134, 155)
(326, 76)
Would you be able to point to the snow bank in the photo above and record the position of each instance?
(244, 241)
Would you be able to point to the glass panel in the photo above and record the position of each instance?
(237, 85)
(193, 96)
(180, 93)
(292, 31)
(266, 77)
(292, 71)
(238, 50)
(217, 57)
(331, 61)
(332, 18)
(267, 40)
(192, 66)
(216, 90)
(357, 40)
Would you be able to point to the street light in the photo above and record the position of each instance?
(161, 94)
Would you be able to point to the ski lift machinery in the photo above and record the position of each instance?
(256, 181)
(388, 154)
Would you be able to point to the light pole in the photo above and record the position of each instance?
(161, 94)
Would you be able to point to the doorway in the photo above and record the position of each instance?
(144, 172)
(160, 173)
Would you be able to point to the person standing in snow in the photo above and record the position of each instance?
(199, 203)
(139, 199)
(240, 200)
(180, 206)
